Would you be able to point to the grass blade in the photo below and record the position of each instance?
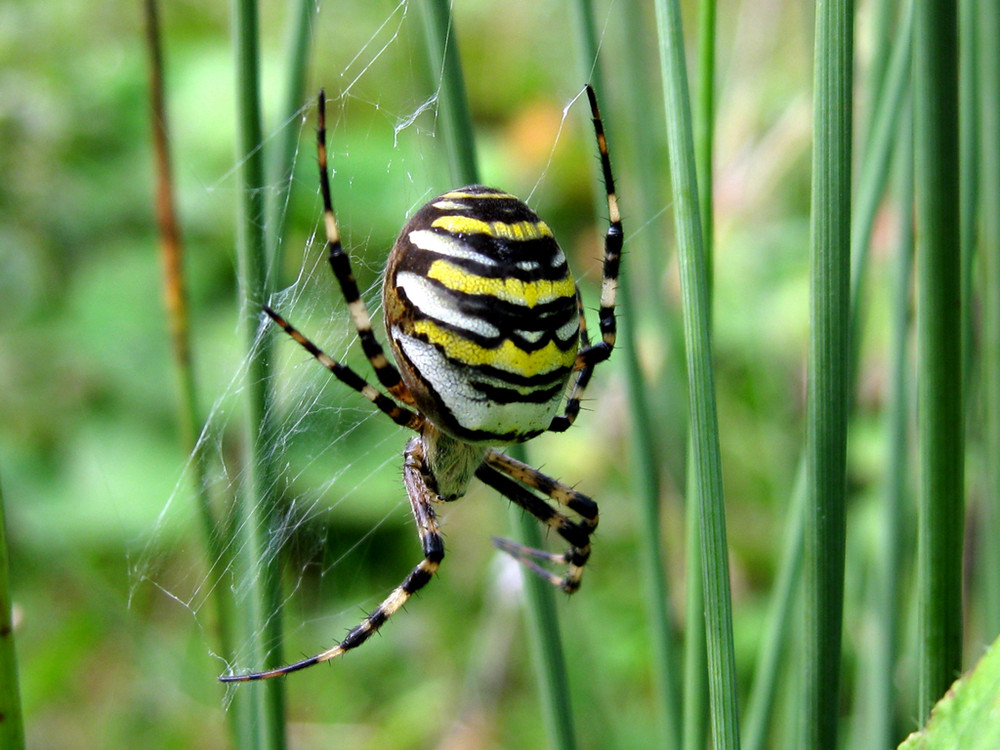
(644, 443)
(939, 335)
(453, 104)
(766, 680)
(695, 656)
(701, 379)
(826, 441)
(282, 162)
(989, 113)
(189, 421)
(258, 502)
(886, 652)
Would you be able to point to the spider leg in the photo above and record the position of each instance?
(592, 355)
(340, 264)
(562, 422)
(421, 501)
(507, 476)
(345, 374)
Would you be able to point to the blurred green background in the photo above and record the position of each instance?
(116, 641)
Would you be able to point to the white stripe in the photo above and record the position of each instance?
(468, 407)
(432, 242)
(451, 206)
(428, 299)
(531, 336)
(568, 331)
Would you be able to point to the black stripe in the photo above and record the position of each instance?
(506, 317)
(502, 395)
(505, 254)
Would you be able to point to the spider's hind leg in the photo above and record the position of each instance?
(509, 476)
(421, 500)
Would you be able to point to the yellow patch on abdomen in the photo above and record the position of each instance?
(516, 291)
(520, 231)
(507, 356)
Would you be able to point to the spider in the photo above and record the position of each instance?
(486, 327)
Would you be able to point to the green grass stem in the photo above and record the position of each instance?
(282, 158)
(883, 708)
(826, 438)
(266, 725)
(767, 670)
(883, 137)
(644, 440)
(989, 175)
(695, 715)
(11, 720)
(189, 420)
(701, 379)
(695, 654)
(453, 103)
(646, 487)
(968, 139)
(939, 345)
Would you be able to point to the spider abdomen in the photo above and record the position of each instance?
(482, 315)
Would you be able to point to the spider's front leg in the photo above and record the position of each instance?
(509, 476)
(421, 501)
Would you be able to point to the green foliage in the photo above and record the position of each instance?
(117, 641)
(966, 716)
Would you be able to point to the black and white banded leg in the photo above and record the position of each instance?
(340, 264)
(512, 478)
(421, 501)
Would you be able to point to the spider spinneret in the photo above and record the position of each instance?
(487, 330)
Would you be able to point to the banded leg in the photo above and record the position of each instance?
(398, 414)
(503, 473)
(421, 501)
(340, 264)
(564, 421)
(600, 351)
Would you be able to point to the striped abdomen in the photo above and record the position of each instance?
(481, 313)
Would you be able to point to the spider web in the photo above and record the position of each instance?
(335, 456)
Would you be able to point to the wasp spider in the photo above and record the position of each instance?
(487, 329)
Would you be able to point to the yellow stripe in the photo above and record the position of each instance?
(528, 293)
(505, 357)
(519, 231)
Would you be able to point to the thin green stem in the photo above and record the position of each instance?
(766, 682)
(826, 439)
(644, 441)
(259, 499)
(939, 337)
(550, 659)
(453, 104)
(968, 169)
(646, 486)
(885, 654)
(704, 122)
(989, 114)
(282, 163)
(189, 419)
(695, 721)
(704, 422)
(11, 720)
(695, 656)
(883, 138)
